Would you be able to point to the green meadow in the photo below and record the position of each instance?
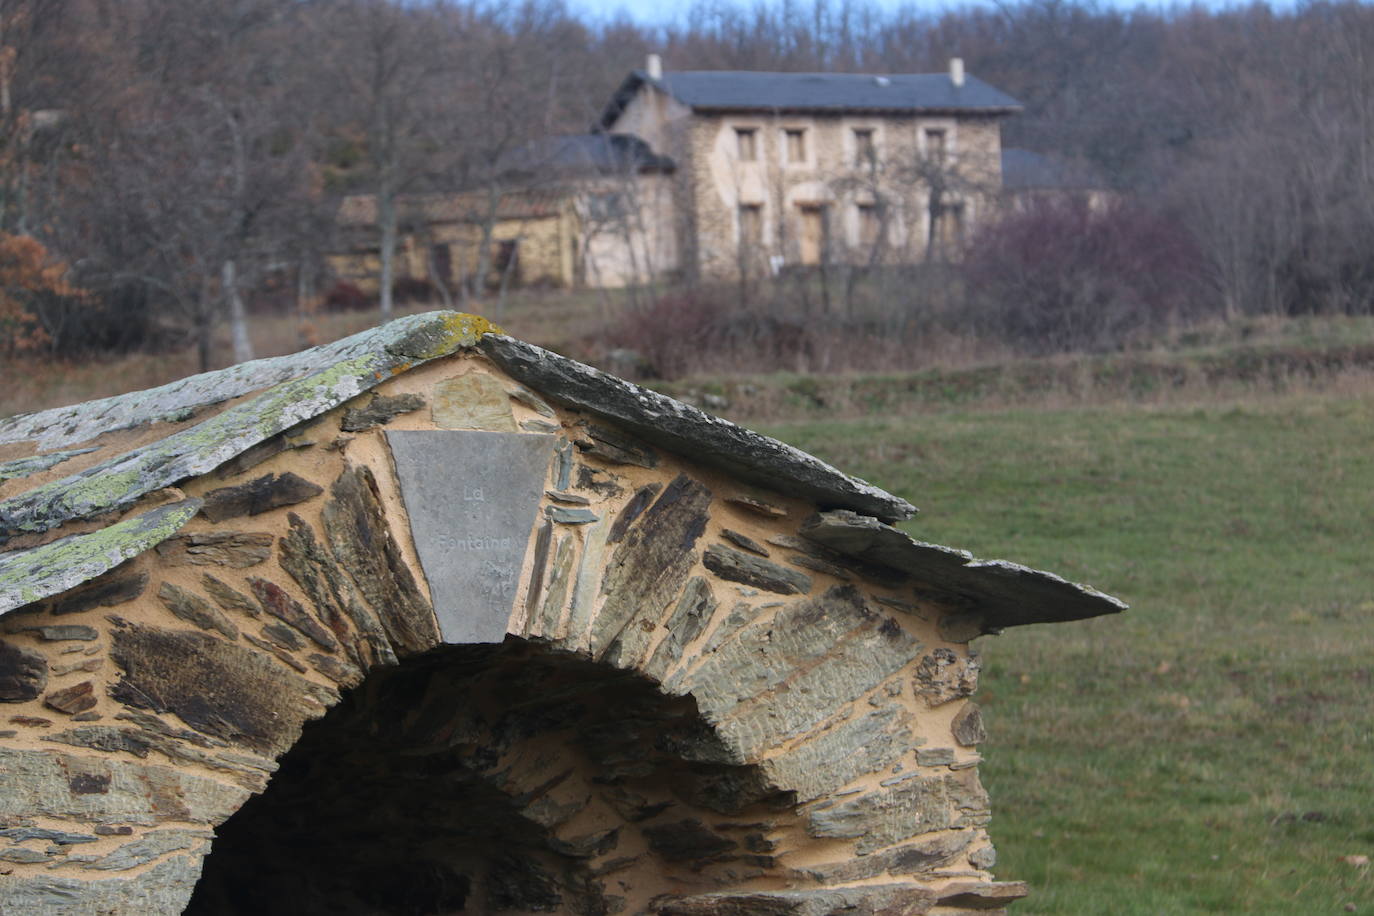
(1212, 748)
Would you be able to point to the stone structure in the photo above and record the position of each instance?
(582, 210)
(1031, 180)
(800, 169)
(718, 175)
(433, 621)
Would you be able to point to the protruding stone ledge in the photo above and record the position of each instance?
(119, 482)
(690, 432)
(1001, 593)
(868, 900)
(983, 895)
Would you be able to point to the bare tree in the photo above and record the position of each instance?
(394, 71)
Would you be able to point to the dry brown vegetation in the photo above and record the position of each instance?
(185, 159)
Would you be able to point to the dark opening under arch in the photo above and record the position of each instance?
(483, 779)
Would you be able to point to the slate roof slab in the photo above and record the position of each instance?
(289, 390)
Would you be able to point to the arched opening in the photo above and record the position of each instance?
(485, 779)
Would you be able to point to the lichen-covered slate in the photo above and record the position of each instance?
(29, 575)
(23, 467)
(690, 432)
(402, 342)
(1002, 593)
(356, 365)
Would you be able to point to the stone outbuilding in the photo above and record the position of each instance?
(432, 621)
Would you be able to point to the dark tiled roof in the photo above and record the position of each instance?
(743, 90)
(586, 154)
(1024, 170)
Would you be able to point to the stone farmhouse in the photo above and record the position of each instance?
(1031, 179)
(718, 174)
(432, 621)
(559, 215)
(797, 169)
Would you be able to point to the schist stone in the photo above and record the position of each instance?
(472, 498)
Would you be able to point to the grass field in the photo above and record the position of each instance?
(1212, 749)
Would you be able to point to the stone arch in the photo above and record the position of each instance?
(506, 778)
(301, 580)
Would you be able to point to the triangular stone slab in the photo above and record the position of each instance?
(472, 498)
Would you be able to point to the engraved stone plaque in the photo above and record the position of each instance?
(472, 498)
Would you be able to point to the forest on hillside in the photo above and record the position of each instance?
(162, 161)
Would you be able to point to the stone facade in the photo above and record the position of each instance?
(761, 189)
(681, 668)
(623, 237)
(441, 237)
(604, 231)
(830, 183)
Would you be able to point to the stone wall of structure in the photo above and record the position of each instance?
(629, 230)
(699, 701)
(832, 177)
(545, 244)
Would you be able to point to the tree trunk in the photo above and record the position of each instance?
(479, 278)
(204, 316)
(305, 306)
(238, 316)
(386, 220)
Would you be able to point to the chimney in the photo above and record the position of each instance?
(654, 67)
(956, 71)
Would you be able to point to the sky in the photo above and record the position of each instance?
(662, 12)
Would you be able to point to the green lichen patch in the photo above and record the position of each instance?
(23, 467)
(122, 480)
(399, 344)
(30, 575)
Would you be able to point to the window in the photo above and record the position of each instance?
(796, 144)
(505, 255)
(746, 144)
(869, 224)
(441, 262)
(864, 151)
(935, 144)
(751, 225)
(605, 205)
(947, 229)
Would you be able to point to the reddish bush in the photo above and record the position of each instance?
(346, 297)
(35, 297)
(699, 329)
(1063, 275)
(411, 289)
